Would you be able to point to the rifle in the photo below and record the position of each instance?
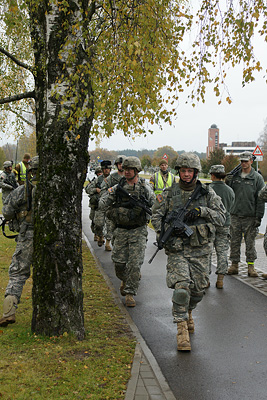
(28, 191)
(141, 202)
(10, 183)
(238, 167)
(175, 219)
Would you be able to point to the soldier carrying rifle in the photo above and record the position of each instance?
(7, 180)
(188, 247)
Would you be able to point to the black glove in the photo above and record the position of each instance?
(257, 223)
(193, 214)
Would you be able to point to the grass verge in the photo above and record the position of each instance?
(35, 367)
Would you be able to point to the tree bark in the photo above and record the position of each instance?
(62, 148)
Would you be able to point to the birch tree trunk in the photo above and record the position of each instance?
(62, 148)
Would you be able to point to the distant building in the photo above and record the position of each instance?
(239, 147)
(213, 139)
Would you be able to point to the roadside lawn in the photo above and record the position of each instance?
(35, 367)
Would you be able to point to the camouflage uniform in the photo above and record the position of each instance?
(130, 234)
(15, 207)
(246, 213)
(93, 198)
(222, 235)
(7, 181)
(263, 196)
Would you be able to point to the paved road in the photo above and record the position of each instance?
(229, 348)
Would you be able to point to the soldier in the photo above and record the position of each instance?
(22, 167)
(161, 179)
(263, 196)
(130, 234)
(93, 202)
(19, 206)
(101, 225)
(188, 250)
(222, 235)
(246, 213)
(7, 180)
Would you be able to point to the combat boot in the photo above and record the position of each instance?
(183, 340)
(190, 322)
(129, 301)
(95, 238)
(9, 309)
(219, 283)
(264, 276)
(122, 288)
(100, 241)
(233, 270)
(107, 246)
(251, 271)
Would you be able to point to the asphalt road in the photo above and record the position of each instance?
(229, 347)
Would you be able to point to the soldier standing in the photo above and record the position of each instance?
(93, 202)
(188, 256)
(19, 205)
(161, 179)
(246, 214)
(130, 234)
(222, 235)
(263, 197)
(7, 180)
(22, 167)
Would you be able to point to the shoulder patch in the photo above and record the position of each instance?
(159, 198)
(111, 190)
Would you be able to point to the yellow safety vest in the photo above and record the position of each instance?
(159, 182)
(22, 172)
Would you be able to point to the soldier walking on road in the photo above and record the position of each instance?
(188, 253)
(263, 196)
(222, 235)
(246, 214)
(7, 180)
(94, 197)
(19, 206)
(130, 234)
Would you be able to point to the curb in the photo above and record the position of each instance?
(146, 376)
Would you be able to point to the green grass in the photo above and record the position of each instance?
(35, 367)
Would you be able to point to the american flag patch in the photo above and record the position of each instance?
(159, 198)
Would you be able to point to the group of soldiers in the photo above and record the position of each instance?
(189, 219)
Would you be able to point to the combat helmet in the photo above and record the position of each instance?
(7, 164)
(34, 163)
(119, 159)
(98, 170)
(132, 162)
(188, 160)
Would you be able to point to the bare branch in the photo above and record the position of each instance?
(20, 63)
(26, 95)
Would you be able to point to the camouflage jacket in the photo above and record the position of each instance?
(7, 183)
(228, 197)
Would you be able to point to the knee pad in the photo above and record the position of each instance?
(195, 298)
(181, 296)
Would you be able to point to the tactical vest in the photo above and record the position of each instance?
(203, 231)
(159, 182)
(123, 213)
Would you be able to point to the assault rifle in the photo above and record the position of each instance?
(238, 167)
(28, 191)
(3, 222)
(10, 183)
(138, 202)
(176, 223)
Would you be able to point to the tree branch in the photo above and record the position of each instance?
(26, 95)
(20, 63)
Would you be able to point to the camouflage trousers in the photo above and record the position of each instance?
(191, 274)
(102, 225)
(221, 245)
(265, 241)
(92, 217)
(243, 226)
(128, 256)
(20, 267)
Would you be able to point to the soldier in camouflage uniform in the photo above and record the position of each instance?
(246, 214)
(263, 196)
(17, 206)
(222, 235)
(93, 199)
(7, 180)
(102, 226)
(130, 234)
(188, 256)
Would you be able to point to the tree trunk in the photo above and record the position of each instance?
(62, 148)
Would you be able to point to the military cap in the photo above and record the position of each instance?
(217, 169)
(245, 156)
